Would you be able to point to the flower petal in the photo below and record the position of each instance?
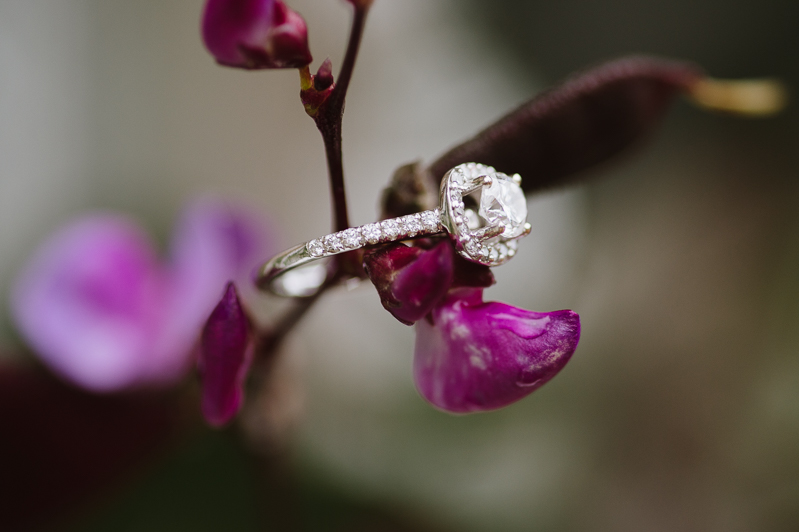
(225, 357)
(90, 302)
(474, 356)
(410, 280)
(255, 34)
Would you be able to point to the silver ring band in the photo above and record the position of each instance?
(426, 223)
(487, 236)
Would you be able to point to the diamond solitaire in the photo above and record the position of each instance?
(503, 203)
(489, 238)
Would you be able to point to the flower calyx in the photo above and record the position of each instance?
(316, 89)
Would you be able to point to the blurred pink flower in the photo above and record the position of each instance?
(99, 308)
(255, 34)
(470, 356)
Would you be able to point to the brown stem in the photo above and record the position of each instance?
(330, 118)
(328, 121)
(348, 65)
(335, 170)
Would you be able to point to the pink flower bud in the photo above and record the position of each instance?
(412, 280)
(225, 357)
(255, 34)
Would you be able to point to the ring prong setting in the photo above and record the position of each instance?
(501, 219)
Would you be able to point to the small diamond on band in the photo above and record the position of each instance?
(413, 224)
(390, 229)
(315, 248)
(351, 238)
(371, 233)
(333, 244)
(431, 220)
(404, 227)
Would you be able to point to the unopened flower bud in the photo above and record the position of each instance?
(255, 34)
(225, 357)
(412, 280)
(324, 76)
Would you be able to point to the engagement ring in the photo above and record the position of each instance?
(482, 210)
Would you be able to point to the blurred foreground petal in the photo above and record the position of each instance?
(225, 357)
(477, 356)
(89, 302)
(97, 306)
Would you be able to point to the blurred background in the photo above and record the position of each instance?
(680, 409)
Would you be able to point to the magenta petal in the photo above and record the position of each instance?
(225, 356)
(288, 40)
(255, 34)
(90, 303)
(477, 356)
(215, 241)
(99, 309)
(410, 280)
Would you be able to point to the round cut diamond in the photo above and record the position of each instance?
(371, 233)
(430, 220)
(315, 248)
(390, 228)
(503, 203)
(484, 210)
(333, 244)
(413, 224)
(351, 238)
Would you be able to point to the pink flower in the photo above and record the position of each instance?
(470, 356)
(255, 34)
(102, 311)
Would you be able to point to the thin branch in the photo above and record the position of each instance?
(348, 65)
(330, 118)
(335, 171)
(328, 121)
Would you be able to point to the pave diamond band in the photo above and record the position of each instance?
(414, 225)
(271, 276)
(484, 212)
